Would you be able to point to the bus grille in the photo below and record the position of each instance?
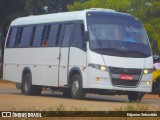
(116, 72)
(118, 82)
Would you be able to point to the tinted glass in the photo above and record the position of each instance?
(68, 31)
(53, 35)
(32, 35)
(45, 35)
(18, 37)
(26, 36)
(38, 36)
(78, 36)
(117, 34)
(12, 37)
(9, 36)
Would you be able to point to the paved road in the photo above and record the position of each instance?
(11, 99)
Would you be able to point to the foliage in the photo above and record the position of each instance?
(148, 11)
(12, 9)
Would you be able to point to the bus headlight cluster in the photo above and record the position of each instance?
(148, 71)
(99, 67)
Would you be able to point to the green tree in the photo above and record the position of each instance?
(12, 9)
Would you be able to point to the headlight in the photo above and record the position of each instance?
(148, 71)
(99, 67)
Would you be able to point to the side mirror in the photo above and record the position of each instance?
(85, 36)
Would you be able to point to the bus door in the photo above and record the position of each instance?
(66, 37)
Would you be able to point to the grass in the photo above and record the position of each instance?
(138, 107)
(61, 109)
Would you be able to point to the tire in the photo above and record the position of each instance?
(77, 92)
(18, 85)
(28, 88)
(135, 96)
(66, 92)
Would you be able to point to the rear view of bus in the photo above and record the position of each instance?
(119, 54)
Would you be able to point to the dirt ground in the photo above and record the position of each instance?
(12, 100)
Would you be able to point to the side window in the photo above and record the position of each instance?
(26, 36)
(32, 35)
(54, 35)
(78, 36)
(38, 36)
(68, 32)
(12, 37)
(9, 37)
(45, 35)
(18, 37)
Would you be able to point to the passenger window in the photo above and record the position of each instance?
(12, 37)
(68, 31)
(45, 35)
(9, 37)
(32, 35)
(18, 37)
(38, 36)
(78, 37)
(54, 35)
(26, 36)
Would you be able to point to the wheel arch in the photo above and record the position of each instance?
(73, 71)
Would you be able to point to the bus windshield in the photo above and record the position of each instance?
(117, 34)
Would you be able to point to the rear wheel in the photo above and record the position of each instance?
(77, 92)
(28, 88)
(135, 96)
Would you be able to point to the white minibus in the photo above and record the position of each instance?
(97, 51)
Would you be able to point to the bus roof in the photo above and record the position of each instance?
(58, 17)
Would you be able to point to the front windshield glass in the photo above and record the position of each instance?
(117, 35)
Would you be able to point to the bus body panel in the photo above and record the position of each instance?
(63, 67)
(124, 62)
(42, 62)
(105, 80)
(78, 59)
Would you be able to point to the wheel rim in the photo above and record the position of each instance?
(75, 87)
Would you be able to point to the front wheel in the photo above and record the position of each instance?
(135, 96)
(77, 92)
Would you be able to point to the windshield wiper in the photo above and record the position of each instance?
(111, 49)
(137, 52)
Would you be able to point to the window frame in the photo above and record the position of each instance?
(29, 30)
(63, 34)
(18, 37)
(14, 29)
(59, 36)
(83, 42)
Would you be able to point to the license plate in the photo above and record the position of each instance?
(126, 77)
